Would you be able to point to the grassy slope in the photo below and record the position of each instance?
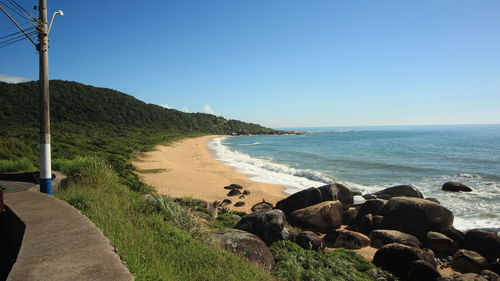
(148, 239)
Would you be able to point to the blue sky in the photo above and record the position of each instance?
(283, 63)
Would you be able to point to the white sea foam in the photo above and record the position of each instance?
(264, 170)
(250, 144)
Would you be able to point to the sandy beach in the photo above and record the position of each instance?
(188, 169)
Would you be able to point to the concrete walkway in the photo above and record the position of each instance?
(60, 243)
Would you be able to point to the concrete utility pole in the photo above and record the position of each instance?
(43, 29)
(43, 50)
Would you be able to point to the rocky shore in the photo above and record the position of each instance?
(413, 236)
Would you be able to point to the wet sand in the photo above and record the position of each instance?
(187, 169)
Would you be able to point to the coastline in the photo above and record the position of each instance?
(188, 169)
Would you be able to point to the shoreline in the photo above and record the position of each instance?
(187, 168)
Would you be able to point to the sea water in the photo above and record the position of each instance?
(368, 159)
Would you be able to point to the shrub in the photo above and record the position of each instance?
(296, 264)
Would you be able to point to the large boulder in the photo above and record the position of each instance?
(457, 236)
(440, 244)
(381, 237)
(415, 216)
(337, 191)
(373, 207)
(299, 200)
(310, 241)
(399, 191)
(455, 186)
(466, 261)
(323, 217)
(313, 196)
(342, 238)
(485, 242)
(365, 224)
(421, 270)
(245, 244)
(398, 258)
(270, 226)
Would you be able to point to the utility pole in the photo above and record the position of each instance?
(43, 50)
(43, 29)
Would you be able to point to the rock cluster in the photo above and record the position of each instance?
(414, 236)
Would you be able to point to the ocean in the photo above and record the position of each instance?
(369, 159)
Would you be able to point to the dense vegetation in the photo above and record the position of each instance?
(296, 264)
(97, 121)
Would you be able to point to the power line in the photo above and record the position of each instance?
(15, 27)
(17, 33)
(19, 36)
(16, 39)
(13, 8)
(21, 8)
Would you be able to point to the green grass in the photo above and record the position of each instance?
(296, 264)
(17, 165)
(157, 239)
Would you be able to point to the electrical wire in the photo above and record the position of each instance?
(21, 8)
(11, 41)
(19, 36)
(23, 25)
(13, 8)
(18, 32)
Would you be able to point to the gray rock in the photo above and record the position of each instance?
(457, 236)
(381, 237)
(337, 191)
(347, 239)
(486, 243)
(398, 258)
(225, 202)
(380, 275)
(236, 186)
(246, 192)
(310, 241)
(233, 192)
(365, 224)
(455, 187)
(313, 196)
(299, 200)
(420, 270)
(245, 244)
(415, 216)
(323, 217)
(239, 204)
(270, 226)
(440, 244)
(373, 207)
(467, 261)
(399, 191)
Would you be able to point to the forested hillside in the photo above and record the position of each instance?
(90, 120)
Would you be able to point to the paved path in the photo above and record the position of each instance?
(60, 243)
(28, 183)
